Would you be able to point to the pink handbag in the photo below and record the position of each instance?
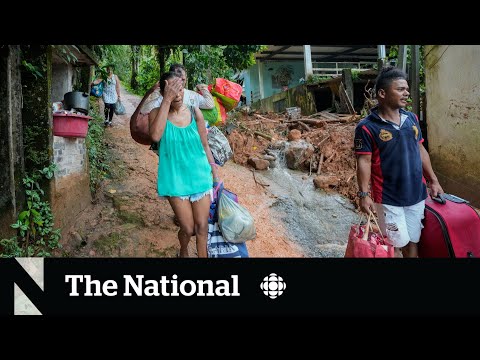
(364, 242)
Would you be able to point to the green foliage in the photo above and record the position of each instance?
(200, 64)
(96, 148)
(33, 69)
(355, 74)
(393, 56)
(33, 153)
(64, 52)
(149, 72)
(119, 55)
(239, 57)
(217, 61)
(318, 79)
(36, 236)
(203, 62)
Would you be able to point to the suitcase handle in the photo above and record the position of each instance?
(439, 198)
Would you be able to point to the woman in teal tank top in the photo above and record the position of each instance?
(185, 165)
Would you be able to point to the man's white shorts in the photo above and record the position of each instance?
(401, 224)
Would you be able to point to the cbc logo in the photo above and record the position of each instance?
(273, 285)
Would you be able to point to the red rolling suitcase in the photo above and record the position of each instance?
(452, 229)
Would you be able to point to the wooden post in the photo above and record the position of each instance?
(348, 83)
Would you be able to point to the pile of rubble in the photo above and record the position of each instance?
(321, 145)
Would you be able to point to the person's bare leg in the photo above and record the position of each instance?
(410, 250)
(201, 209)
(183, 211)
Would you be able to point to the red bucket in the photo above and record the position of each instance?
(70, 125)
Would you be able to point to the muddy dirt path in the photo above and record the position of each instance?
(127, 219)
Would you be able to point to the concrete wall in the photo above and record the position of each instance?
(299, 96)
(252, 86)
(453, 117)
(72, 182)
(269, 71)
(11, 139)
(62, 81)
(71, 197)
(26, 138)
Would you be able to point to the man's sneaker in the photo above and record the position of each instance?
(105, 123)
(110, 123)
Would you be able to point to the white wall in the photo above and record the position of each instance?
(62, 81)
(453, 117)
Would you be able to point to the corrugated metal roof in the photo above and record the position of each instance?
(321, 53)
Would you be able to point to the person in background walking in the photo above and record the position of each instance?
(111, 93)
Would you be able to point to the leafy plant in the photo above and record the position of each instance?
(97, 151)
(120, 55)
(149, 72)
(355, 74)
(65, 52)
(318, 79)
(36, 236)
(33, 69)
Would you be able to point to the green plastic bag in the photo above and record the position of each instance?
(211, 115)
(227, 102)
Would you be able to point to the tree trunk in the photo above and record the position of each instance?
(162, 57)
(135, 62)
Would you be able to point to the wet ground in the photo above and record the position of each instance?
(319, 222)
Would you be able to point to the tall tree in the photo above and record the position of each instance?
(163, 54)
(217, 60)
(135, 63)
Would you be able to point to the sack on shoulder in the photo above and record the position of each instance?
(139, 129)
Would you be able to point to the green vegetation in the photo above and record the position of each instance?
(36, 236)
(98, 159)
(147, 62)
(355, 74)
(118, 55)
(317, 79)
(393, 56)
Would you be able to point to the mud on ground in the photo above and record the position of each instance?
(127, 219)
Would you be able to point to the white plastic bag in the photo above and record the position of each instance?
(235, 222)
(219, 146)
(119, 109)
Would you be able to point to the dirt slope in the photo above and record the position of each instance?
(127, 219)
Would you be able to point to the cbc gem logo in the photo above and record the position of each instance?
(273, 285)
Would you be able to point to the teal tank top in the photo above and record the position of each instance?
(183, 167)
